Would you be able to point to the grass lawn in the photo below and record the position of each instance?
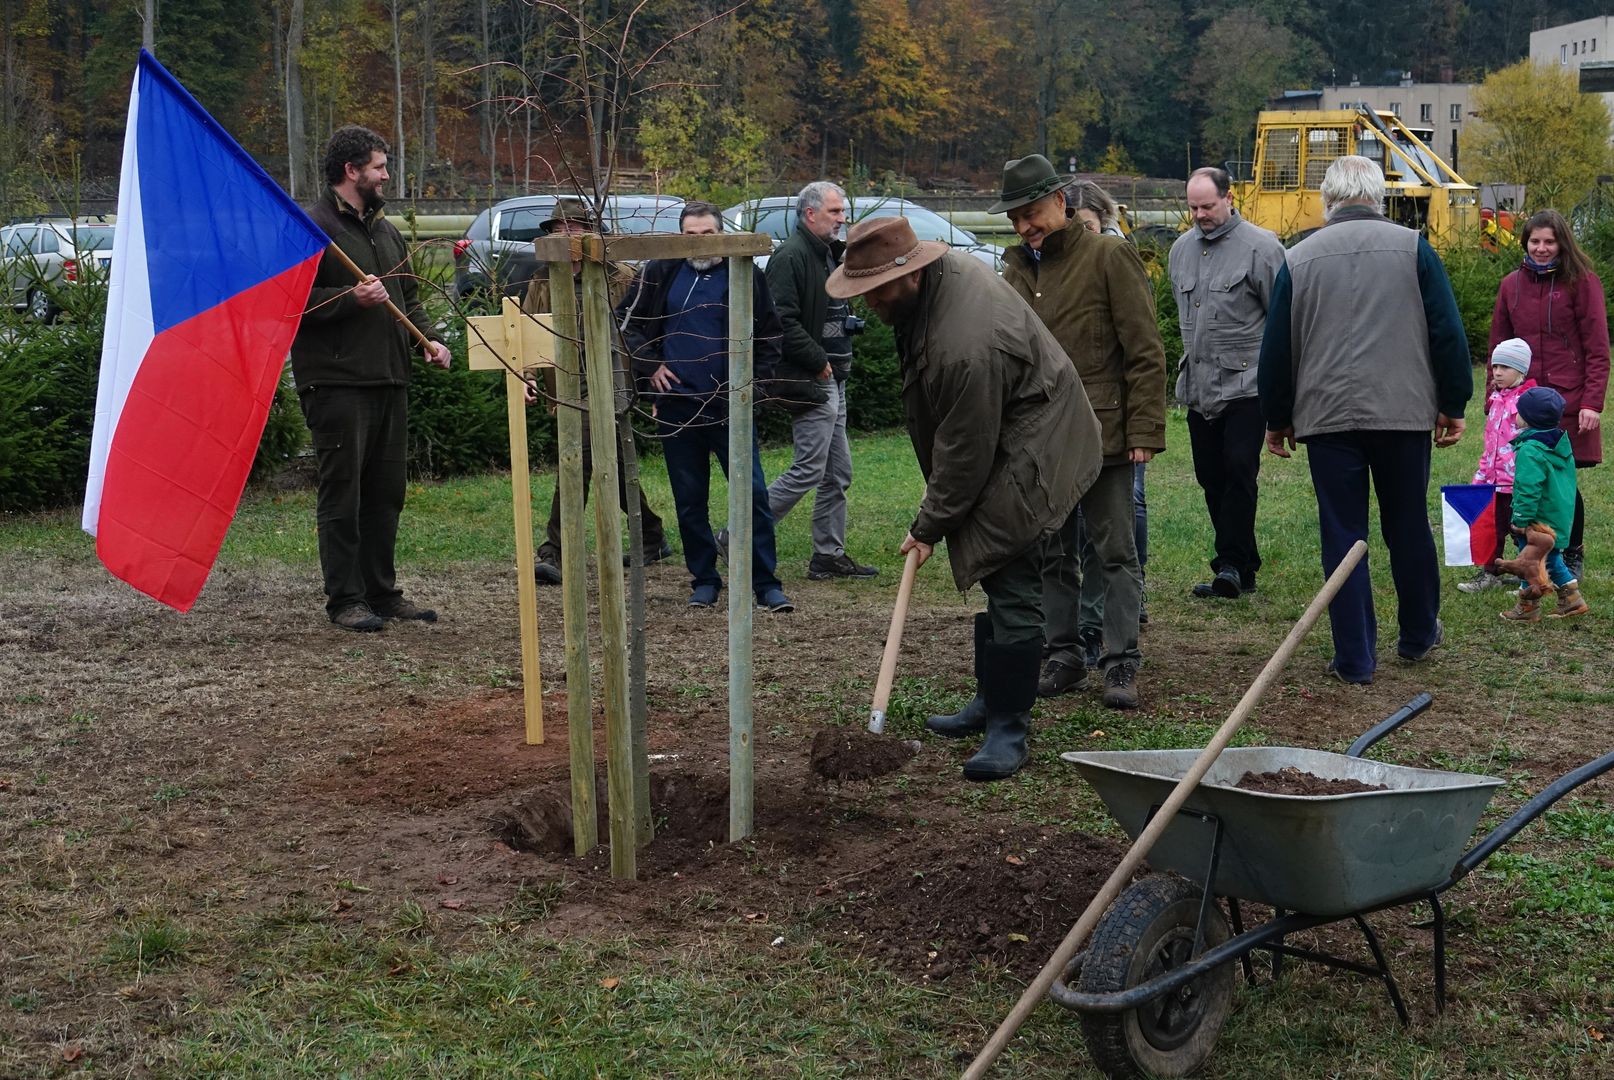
(235, 975)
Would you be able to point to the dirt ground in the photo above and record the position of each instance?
(227, 763)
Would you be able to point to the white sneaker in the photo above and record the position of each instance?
(1481, 582)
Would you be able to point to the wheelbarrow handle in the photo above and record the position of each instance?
(1389, 724)
(1527, 813)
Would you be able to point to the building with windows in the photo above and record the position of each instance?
(1585, 49)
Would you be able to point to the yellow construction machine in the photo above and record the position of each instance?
(1293, 149)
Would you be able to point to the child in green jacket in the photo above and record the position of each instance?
(1544, 497)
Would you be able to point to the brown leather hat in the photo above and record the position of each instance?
(569, 210)
(877, 250)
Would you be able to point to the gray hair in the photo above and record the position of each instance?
(812, 196)
(1352, 180)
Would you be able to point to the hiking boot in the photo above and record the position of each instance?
(651, 556)
(1482, 581)
(545, 572)
(970, 720)
(1412, 656)
(1570, 602)
(703, 596)
(360, 618)
(406, 609)
(1121, 686)
(1526, 608)
(775, 600)
(1575, 559)
(1228, 584)
(1058, 677)
(824, 567)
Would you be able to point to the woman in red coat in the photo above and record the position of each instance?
(1555, 302)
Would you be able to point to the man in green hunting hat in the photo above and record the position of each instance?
(1093, 295)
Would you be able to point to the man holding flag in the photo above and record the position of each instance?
(351, 362)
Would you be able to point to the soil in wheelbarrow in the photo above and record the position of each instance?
(1292, 781)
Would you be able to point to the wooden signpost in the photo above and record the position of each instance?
(521, 342)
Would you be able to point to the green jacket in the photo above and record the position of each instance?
(797, 273)
(1005, 437)
(1094, 296)
(1544, 481)
(340, 343)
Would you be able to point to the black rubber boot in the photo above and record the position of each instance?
(1008, 680)
(971, 719)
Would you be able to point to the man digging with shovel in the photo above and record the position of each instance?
(1007, 443)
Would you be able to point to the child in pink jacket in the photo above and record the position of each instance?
(1510, 361)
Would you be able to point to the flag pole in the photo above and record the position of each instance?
(342, 256)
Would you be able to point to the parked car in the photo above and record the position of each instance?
(498, 245)
(37, 255)
(776, 216)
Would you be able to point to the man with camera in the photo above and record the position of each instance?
(817, 349)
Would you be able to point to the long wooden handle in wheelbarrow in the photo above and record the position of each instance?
(1157, 825)
(893, 642)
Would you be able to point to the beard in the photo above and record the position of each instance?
(703, 265)
(371, 196)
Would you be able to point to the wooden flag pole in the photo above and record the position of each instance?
(342, 257)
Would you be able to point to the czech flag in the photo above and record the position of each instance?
(211, 268)
(1468, 512)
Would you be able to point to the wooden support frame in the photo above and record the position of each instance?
(512, 342)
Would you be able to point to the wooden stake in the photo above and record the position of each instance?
(638, 706)
(742, 606)
(608, 558)
(515, 400)
(573, 557)
(1163, 817)
(342, 257)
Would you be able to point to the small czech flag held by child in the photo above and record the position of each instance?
(1468, 512)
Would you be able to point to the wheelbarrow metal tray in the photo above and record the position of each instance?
(1317, 854)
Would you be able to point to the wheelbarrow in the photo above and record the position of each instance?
(1155, 984)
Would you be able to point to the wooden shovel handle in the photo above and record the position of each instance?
(893, 643)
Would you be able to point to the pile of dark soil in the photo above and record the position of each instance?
(849, 754)
(1292, 781)
(1005, 899)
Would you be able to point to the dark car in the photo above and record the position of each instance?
(498, 245)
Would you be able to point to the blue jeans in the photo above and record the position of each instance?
(689, 442)
(1558, 571)
(1397, 463)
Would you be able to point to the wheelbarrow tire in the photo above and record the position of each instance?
(1148, 931)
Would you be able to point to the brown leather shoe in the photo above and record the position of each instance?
(405, 608)
(359, 618)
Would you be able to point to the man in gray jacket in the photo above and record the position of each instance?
(1221, 273)
(1007, 443)
(817, 347)
(1364, 354)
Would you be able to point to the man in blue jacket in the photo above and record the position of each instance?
(1363, 356)
(675, 324)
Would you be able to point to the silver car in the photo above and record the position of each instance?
(37, 257)
(776, 216)
(498, 245)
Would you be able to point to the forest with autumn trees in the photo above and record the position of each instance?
(714, 97)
